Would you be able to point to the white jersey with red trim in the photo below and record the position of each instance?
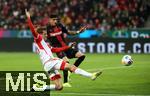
(44, 50)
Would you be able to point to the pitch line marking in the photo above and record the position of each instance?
(90, 94)
(109, 68)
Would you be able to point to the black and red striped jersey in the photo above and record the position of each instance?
(56, 35)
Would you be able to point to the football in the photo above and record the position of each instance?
(127, 60)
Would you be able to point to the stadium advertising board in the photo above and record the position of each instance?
(129, 33)
(114, 45)
(98, 45)
(94, 45)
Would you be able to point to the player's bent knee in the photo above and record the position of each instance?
(59, 87)
(80, 55)
(83, 56)
(72, 68)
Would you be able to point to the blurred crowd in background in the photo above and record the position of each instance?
(98, 14)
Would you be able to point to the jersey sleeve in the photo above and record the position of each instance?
(34, 33)
(56, 50)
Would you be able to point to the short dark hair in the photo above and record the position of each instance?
(53, 16)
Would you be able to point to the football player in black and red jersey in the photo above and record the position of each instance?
(55, 35)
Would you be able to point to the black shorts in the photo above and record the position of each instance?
(70, 53)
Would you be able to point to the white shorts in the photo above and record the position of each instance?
(52, 67)
(54, 64)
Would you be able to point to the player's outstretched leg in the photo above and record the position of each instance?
(82, 72)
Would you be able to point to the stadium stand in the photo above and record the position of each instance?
(98, 14)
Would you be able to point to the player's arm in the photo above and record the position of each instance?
(82, 29)
(55, 49)
(32, 28)
(64, 29)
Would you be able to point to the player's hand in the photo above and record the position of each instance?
(72, 45)
(82, 29)
(27, 13)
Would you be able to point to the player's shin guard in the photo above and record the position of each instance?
(82, 72)
(79, 60)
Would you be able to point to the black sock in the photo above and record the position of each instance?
(79, 60)
(65, 72)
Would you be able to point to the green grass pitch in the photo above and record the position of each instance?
(116, 79)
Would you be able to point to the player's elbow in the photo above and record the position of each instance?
(59, 87)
